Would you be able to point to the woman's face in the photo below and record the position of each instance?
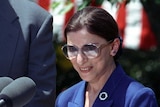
(93, 69)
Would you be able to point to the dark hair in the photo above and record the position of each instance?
(97, 21)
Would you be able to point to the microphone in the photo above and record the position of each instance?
(4, 81)
(18, 93)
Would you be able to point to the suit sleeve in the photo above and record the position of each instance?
(42, 64)
(144, 98)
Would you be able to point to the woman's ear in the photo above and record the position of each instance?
(115, 46)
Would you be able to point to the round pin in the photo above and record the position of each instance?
(103, 96)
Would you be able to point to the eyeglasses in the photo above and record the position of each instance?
(90, 50)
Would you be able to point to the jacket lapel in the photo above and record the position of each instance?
(105, 97)
(79, 97)
(6, 11)
(9, 34)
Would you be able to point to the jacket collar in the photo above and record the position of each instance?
(7, 11)
(9, 35)
(78, 99)
(104, 95)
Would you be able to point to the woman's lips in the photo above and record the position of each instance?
(85, 69)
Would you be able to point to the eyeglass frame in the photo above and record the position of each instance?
(99, 48)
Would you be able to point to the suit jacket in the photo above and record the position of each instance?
(119, 91)
(26, 47)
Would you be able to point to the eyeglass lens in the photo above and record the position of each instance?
(71, 52)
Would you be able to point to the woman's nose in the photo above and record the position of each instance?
(81, 58)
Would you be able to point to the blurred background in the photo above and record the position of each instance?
(139, 25)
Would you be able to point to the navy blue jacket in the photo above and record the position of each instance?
(119, 91)
(26, 47)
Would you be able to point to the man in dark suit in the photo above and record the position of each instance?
(26, 47)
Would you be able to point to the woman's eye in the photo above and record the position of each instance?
(89, 48)
(72, 49)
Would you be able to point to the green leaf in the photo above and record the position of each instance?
(67, 8)
(55, 4)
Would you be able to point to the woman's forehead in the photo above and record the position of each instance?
(83, 36)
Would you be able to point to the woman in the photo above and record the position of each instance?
(93, 47)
